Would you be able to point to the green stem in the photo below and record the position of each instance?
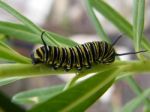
(29, 70)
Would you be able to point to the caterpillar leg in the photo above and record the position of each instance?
(88, 66)
(55, 67)
(79, 68)
(67, 68)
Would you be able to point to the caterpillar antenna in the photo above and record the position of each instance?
(117, 40)
(45, 46)
(131, 53)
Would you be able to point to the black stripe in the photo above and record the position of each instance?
(43, 49)
(89, 52)
(74, 57)
(38, 53)
(86, 52)
(54, 55)
(92, 50)
(61, 57)
(87, 55)
(45, 54)
(49, 55)
(57, 56)
(80, 55)
(106, 50)
(71, 58)
(97, 51)
(68, 60)
(100, 44)
(64, 57)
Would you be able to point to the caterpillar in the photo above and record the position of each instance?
(79, 56)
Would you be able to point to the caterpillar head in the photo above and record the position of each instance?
(37, 55)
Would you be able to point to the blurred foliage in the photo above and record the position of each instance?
(77, 96)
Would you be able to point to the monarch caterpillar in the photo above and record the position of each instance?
(77, 56)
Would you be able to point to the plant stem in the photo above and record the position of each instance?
(29, 70)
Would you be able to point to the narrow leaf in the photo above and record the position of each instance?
(36, 96)
(138, 22)
(112, 15)
(63, 40)
(23, 33)
(6, 81)
(19, 31)
(80, 96)
(20, 17)
(27, 22)
(9, 54)
(133, 104)
(96, 22)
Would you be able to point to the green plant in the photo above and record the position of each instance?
(70, 97)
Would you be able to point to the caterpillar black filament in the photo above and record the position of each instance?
(79, 56)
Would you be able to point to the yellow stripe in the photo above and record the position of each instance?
(41, 52)
(60, 56)
(89, 50)
(69, 58)
(36, 56)
(83, 51)
(77, 57)
(51, 55)
(97, 50)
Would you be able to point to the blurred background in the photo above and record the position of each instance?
(70, 19)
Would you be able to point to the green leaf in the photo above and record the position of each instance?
(9, 54)
(79, 97)
(23, 33)
(96, 22)
(52, 40)
(25, 21)
(20, 17)
(138, 22)
(2, 36)
(36, 96)
(133, 104)
(63, 40)
(113, 16)
(6, 81)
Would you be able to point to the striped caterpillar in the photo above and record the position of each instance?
(79, 56)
